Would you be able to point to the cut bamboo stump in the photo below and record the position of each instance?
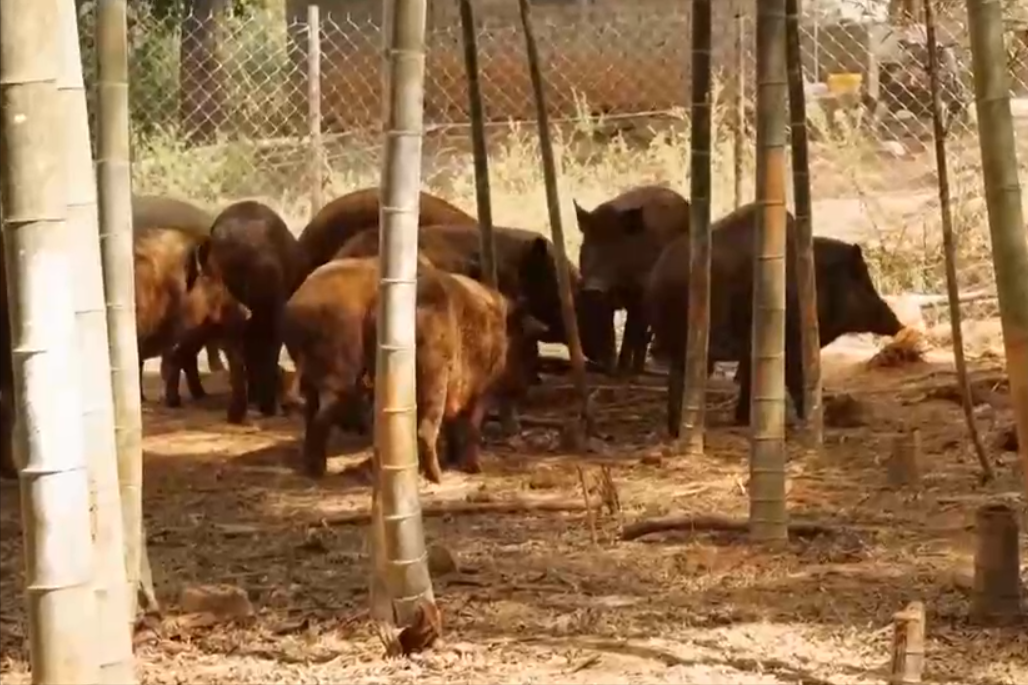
(907, 645)
(996, 599)
(904, 465)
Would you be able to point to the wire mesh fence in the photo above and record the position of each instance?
(221, 110)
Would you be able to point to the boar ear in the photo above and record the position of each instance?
(633, 221)
(858, 254)
(475, 270)
(539, 249)
(196, 262)
(583, 216)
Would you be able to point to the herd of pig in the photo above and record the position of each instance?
(242, 283)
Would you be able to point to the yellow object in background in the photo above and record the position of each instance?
(842, 84)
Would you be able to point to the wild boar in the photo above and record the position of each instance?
(621, 241)
(473, 349)
(252, 250)
(178, 309)
(847, 301)
(348, 215)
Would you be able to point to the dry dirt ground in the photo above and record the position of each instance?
(541, 595)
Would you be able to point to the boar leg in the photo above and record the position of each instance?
(633, 341)
(170, 369)
(186, 358)
(267, 394)
(742, 378)
(352, 418)
(142, 392)
(191, 368)
(252, 361)
(470, 449)
(675, 388)
(237, 404)
(214, 362)
(507, 415)
(320, 417)
(432, 384)
(428, 441)
(794, 364)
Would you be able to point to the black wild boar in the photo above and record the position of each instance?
(847, 300)
(474, 349)
(158, 211)
(621, 241)
(252, 250)
(323, 331)
(178, 310)
(348, 215)
(526, 269)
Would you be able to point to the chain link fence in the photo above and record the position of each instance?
(221, 110)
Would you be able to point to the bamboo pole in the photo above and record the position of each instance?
(806, 273)
(1003, 200)
(949, 244)
(483, 195)
(40, 265)
(397, 529)
(768, 516)
(115, 183)
(567, 302)
(698, 336)
(112, 629)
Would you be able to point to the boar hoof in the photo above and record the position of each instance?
(173, 401)
(433, 473)
(315, 467)
(236, 415)
(471, 465)
(198, 393)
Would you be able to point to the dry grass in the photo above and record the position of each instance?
(534, 598)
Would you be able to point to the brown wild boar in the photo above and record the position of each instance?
(323, 331)
(252, 250)
(846, 296)
(526, 269)
(159, 211)
(178, 309)
(474, 348)
(621, 241)
(348, 215)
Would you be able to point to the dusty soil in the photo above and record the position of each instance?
(545, 597)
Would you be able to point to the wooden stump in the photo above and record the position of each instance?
(904, 465)
(907, 645)
(996, 598)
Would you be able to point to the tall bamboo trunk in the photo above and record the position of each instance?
(114, 176)
(949, 242)
(41, 275)
(398, 535)
(483, 196)
(567, 301)
(698, 338)
(114, 639)
(768, 516)
(806, 279)
(1003, 199)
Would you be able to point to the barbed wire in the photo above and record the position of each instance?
(219, 105)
